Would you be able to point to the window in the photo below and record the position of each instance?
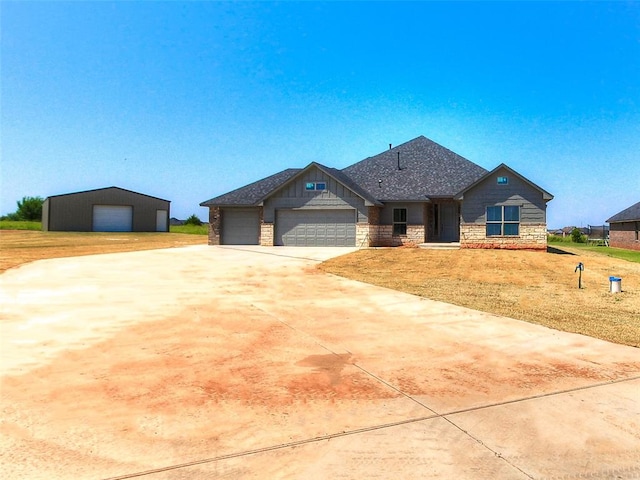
(503, 180)
(637, 231)
(399, 221)
(503, 220)
(315, 186)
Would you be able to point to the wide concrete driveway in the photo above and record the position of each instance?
(215, 362)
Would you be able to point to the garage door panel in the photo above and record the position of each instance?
(112, 218)
(240, 226)
(330, 228)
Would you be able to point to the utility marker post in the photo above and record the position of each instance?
(580, 268)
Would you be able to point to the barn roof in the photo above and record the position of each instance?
(108, 188)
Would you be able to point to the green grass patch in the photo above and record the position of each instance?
(621, 253)
(190, 229)
(19, 225)
(558, 239)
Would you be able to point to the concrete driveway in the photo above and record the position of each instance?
(218, 362)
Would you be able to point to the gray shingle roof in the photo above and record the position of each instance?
(426, 170)
(349, 183)
(631, 214)
(255, 192)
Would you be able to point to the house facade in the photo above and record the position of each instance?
(624, 228)
(417, 192)
(110, 209)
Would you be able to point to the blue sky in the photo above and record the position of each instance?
(188, 100)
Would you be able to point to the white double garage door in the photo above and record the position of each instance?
(300, 228)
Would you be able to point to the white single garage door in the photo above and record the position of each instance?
(240, 226)
(317, 228)
(112, 218)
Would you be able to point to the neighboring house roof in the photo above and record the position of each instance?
(631, 214)
(109, 188)
(254, 193)
(545, 195)
(416, 170)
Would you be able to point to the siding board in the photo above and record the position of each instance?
(295, 196)
(516, 192)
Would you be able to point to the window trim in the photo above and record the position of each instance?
(399, 226)
(502, 221)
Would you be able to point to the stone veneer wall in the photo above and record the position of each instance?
(214, 225)
(382, 236)
(363, 237)
(532, 237)
(266, 234)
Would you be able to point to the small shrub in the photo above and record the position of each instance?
(30, 209)
(577, 237)
(193, 220)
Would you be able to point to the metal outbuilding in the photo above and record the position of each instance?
(110, 209)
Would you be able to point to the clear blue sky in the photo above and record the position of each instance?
(185, 101)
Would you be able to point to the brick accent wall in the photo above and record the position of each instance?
(532, 237)
(215, 219)
(373, 214)
(266, 234)
(623, 235)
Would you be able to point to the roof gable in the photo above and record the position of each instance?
(630, 214)
(254, 193)
(545, 195)
(416, 170)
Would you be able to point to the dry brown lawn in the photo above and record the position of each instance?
(23, 246)
(536, 287)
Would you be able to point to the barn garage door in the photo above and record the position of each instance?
(112, 218)
(240, 226)
(321, 228)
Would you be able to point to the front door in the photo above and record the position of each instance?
(449, 223)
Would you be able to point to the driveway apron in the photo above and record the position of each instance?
(248, 362)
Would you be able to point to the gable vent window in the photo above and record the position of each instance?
(320, 186)
(503, 220)
(503, 180)
(399, 221)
